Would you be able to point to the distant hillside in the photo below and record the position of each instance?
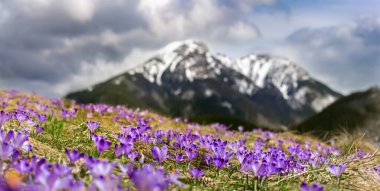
(186, 79)
(358, 111)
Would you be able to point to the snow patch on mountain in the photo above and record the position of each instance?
(208, 93)
(322, 102)
(319, 103)
(194, 60)
(170, 57)
(188, 95)
(245, 86)
(264, 70)
(118, 80)
(227, 105)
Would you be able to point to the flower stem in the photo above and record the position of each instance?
(339, 181)
(255, 184)
(246, 181)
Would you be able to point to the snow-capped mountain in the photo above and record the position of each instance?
(186, 79)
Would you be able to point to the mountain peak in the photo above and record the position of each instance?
(191, 60)
(179, 55)
(185, 78)
(184, 47)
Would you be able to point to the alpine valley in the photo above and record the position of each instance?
(186, 79)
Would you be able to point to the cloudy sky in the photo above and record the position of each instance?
(53, 47)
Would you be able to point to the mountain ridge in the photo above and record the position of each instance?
(357, 112)
(187, 74)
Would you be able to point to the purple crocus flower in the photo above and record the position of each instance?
(4, 117)
(159, 154)
(191, 154)
(337, 170)
(207, 158)
(145, 138)
(147, 178)
(196, 172)
(258, 169)
(123, 149)
(245, 167)
(23, 166)
(358, 155)
(40, 107)
(280, 143)
(102, 168)
(15, 156)
(65, 113)
(74, 155)
(220, 152)
(240, 156)
(125, 139)
(77, 186)
(101, 143)
(51, 180)
(92, 126)
(21, 116)
(126, 169)
(218, 162)
(62, 170)
(20, 141)
(39, 129)
(20, 106)
(41, 118)
(313, 187)
(107, 183)
(6, 136)
(273, 168)
(6, 151)
(158, 136)
(36, 164)
(133, 155)
(173, 178)
(179, 157)
(90, 161)
(32, 113)
(377, 169)
(30, 122)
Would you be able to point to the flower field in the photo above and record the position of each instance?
(53, 144)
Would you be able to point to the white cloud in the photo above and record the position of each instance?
(65, 45)
(100, 70)
(249, 5)
(80, 10)
(73, 43)
(241, 32)
(343, 56)
(209, 20)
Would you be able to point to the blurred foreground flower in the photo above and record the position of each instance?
(147, 178)
(196, 172)
(313, 187)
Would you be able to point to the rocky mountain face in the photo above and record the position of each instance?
(186, 79)
(358, 112)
